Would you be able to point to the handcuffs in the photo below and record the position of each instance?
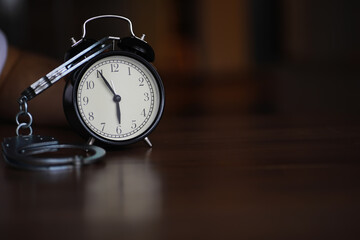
(21, 152)
(25, 151)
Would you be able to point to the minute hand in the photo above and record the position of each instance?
(107, 83)
(116, 98)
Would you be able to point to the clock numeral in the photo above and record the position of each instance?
(86, 101)
(91, 116)
(146, 97)
(114, 67)
(143, 113)
(129, 71)
(90, 85)
(103, 126)
(99, 73)
(141, 82)
(133, 124)
(118, 130)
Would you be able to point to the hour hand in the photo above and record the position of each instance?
(117, 100)
(118, 113)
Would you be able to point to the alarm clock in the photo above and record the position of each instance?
(115, 97)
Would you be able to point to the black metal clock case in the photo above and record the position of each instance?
(132, 47)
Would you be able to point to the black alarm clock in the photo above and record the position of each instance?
(115, 97)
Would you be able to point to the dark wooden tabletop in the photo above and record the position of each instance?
(206, 177)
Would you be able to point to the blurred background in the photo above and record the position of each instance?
(230, 56)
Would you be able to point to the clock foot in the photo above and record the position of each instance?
(90, 141)
(147, 140)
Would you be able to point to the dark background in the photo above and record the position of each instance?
(273, 56)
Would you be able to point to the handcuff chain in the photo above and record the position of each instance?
(23, 113)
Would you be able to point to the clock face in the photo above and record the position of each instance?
(119, 98)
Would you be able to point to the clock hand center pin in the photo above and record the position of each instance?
(117, 97)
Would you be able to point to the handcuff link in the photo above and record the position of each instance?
(23, 113)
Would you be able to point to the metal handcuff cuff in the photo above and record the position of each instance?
(24, 151)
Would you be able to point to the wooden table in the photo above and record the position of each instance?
(207, 177)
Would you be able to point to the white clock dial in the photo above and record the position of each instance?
(118, 98)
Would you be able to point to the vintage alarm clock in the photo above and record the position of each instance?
(114, 95)
(117, 97)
